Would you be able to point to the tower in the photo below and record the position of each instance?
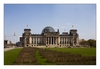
(4, 37)
(15, 37)
(74, 36)
(73, 32)
(27, 40)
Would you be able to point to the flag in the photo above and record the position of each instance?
(5, 37)
(72, 26)
(14, 34)
(27, 26)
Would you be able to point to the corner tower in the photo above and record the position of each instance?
(74, 37)
(27, 40)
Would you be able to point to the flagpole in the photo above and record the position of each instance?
(4, 37)
(72, 26)
(15, 37)
(26, 26)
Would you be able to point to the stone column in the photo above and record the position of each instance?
(36, 40)
(40, 40)
(33, 40)
(24, 41)
(48, 40)
(77, 41)
(44, 40)
(63, 41)
(66, 41)
(73, 40)
(56, 40)
(30, 40)
(51, 40)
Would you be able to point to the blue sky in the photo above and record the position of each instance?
(58, 16)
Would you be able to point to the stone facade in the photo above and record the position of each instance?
(49, 37)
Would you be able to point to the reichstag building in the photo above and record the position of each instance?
(49, 37)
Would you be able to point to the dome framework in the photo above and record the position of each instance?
(48, 29)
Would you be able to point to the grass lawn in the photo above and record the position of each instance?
(83, 51)
(11, 55)
(41, 60)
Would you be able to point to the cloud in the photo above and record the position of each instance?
(82, 34)
(68, 23)
(63, 27)
(55, 27)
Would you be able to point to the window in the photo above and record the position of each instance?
(27, 40)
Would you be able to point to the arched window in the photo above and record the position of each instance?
(27, 40)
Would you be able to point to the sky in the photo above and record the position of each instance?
(58, 16)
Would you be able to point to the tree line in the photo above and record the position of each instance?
(89, 43)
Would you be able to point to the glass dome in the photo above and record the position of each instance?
(48, 29)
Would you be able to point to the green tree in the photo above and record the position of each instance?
(84, 42)
(92, 43)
